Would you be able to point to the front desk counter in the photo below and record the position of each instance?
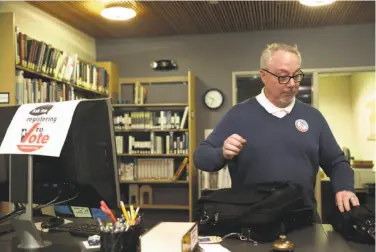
(319, 238)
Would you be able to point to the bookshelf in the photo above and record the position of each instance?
(36, 61)
(33, 71)
(113, 82)
(154, 120)
(7, 59)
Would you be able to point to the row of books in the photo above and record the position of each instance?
(39, 91)
(172, 143)
(152, 169)
(61, 65)
(151, 120)
(215, 180)
(139, 93)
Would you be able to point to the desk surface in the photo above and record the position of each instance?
(319, 238)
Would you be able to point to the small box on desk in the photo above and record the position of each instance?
(170, 237)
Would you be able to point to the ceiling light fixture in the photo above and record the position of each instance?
(118, 13)
(316, 2)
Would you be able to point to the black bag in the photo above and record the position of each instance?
(258, 212)
(357, 225)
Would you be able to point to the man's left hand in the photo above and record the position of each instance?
(344, 199)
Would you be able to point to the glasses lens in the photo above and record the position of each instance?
(298, 77)
(284, 79)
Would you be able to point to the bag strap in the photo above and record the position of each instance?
(244, 235)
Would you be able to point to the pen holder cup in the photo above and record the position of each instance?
(127, 241)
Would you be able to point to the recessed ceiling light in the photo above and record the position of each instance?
(118, 13)
(316, 2)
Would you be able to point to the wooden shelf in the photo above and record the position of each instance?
(154, 181)
(154, 80)
(46, 76)
(113, 83)
(10, 61)
(163, 207)
(152, 130)
(177, 194)
(150, 105)
(8, 58)
(151, 155)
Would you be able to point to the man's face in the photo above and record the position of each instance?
(282, 64)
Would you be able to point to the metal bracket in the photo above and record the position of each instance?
(246, 235)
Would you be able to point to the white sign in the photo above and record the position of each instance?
(81, 212)
(4, 98)
(39, 129)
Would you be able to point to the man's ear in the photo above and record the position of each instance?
(262, 75)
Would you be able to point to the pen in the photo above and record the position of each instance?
(108, 212)
(104, 204)
(138, 220)
(101, 227)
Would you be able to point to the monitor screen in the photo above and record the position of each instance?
(86, 169)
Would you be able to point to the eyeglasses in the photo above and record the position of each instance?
(284, 79)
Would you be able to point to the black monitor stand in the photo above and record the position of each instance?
(28, 237)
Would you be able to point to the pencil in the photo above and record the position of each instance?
(135, 216)
(124, 211)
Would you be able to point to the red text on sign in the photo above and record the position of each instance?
(34, 139)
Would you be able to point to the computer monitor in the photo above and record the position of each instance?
(4, 191)
(87, 162)
(87, 165)
(6, 115)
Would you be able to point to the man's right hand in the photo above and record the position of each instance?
(232, 146)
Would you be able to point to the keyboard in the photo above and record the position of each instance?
(77, 229)
(6, 228)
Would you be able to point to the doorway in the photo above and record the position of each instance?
(347, 100)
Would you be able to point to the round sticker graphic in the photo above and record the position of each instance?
(301, 125)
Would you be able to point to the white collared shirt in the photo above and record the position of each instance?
(278, 112)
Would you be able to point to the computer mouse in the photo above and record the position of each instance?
(52, 222)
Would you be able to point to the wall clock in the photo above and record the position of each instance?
(213, 99)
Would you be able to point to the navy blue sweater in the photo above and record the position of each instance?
(275, 149)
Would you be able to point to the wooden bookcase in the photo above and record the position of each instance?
(7, 56)
(113, 83)
(166, 97)
(9, 65)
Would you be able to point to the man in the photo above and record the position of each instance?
(275, 137)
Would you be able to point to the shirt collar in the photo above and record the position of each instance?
(261, 98)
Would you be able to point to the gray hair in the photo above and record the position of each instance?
(267, 53)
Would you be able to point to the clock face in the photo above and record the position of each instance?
(213, 99)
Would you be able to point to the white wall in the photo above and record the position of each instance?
(348, 104)
(213, 57)
(363, 91)
(42, 26)
(334, 102)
